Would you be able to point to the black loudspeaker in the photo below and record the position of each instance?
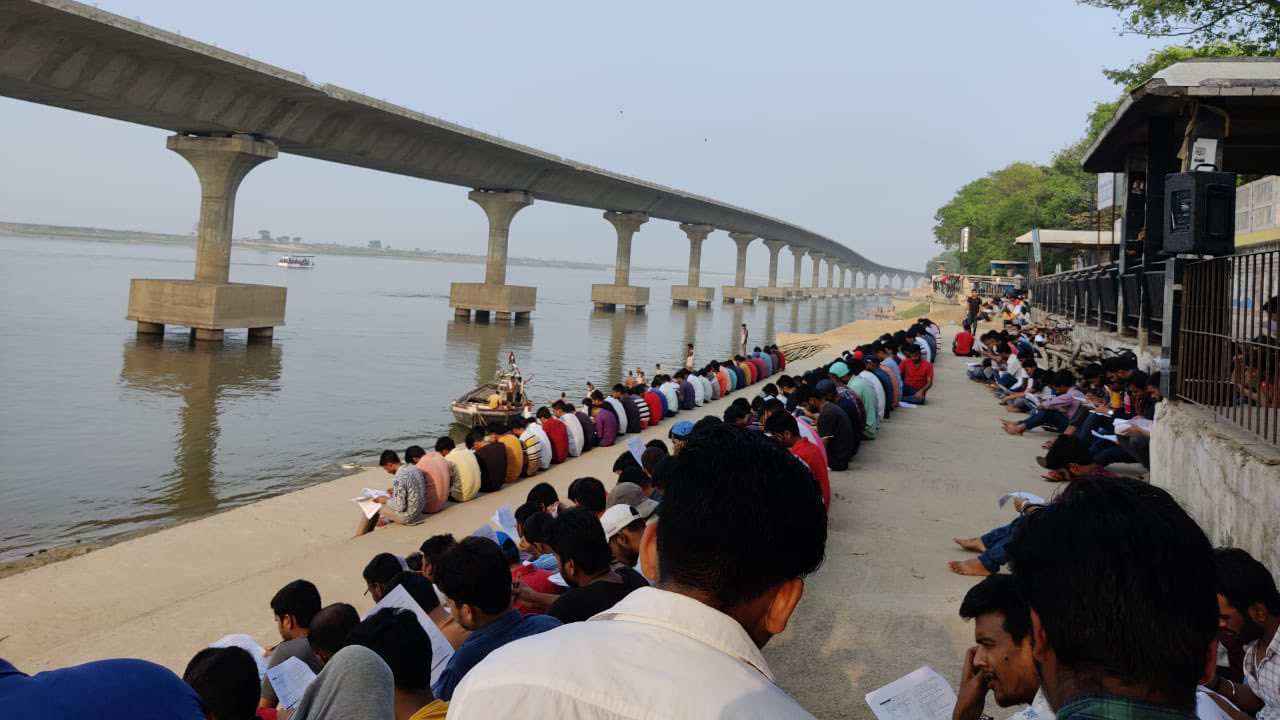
(1200, 213)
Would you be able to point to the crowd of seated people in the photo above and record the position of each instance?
(497, 455)
(615, 587)
(1112, 602)
(1117, 606)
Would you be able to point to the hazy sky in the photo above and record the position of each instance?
(853, 119)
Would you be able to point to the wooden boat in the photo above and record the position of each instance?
(472, 408)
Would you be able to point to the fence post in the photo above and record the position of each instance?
(1171, 336)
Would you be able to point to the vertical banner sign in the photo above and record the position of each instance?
(1035, 244)
(1106, 190)
(964, 239)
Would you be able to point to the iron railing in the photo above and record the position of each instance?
(1229, 354)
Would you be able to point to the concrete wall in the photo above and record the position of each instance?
(1228, 479)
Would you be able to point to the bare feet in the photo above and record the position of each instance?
(968, 567)
(970, 544)
(1012, 428)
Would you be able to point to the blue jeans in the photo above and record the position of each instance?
(994, 557)
(909, 395)
(1052, 418)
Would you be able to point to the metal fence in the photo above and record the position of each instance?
(1229, 351)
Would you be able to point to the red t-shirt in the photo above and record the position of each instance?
(558, 434)
(539, 580)
(808, 452)
(655, 406)
(964, 342)
(917, 374)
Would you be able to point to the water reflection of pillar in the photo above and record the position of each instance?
(617, 325)
(770, 322)
(812, 324)
(690, 329)
(200, 374)
(491, 343)
(793, 321)
(735, 330)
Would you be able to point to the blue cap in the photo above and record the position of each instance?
(681, 429)
(825, 386)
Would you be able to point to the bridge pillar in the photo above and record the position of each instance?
(796, 291)
(494, 295)
(608, 297)
(693, 293)
(739, 290)
(208, 304)
(840, 289)
(814, 289)
(772, 291)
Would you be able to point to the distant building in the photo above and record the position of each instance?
(264, 235)
(375, 244)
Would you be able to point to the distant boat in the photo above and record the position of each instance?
(304, 262)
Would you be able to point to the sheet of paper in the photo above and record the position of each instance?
(249, 645)
(922, 694)
(637, 448)
(1101, 436)
(485, 531)
(506, 520)
(290, 680)
(1029, 497)
(558, 579)
(441, 650)
(372, 493)
(368, 507)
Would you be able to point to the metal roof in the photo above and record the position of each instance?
(1246, 89)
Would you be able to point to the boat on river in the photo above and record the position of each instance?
(297, 262)
(493, 403)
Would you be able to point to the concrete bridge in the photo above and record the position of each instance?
(230, 113)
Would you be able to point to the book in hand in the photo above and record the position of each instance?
(922, 694)
(367, 499)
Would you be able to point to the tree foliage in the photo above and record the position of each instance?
(1251, 24)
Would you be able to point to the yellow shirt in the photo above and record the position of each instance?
(434, 710)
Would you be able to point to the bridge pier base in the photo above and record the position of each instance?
(731, 294)
(622, 292)
(209, 304)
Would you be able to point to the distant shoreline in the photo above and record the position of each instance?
(138, 237)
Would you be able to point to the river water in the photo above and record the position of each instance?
(103, 433)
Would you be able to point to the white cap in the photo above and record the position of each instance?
(616, 518)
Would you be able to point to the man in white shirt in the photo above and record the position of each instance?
(571, 422)
(690, 646)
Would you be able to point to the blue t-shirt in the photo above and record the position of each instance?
(108, 689)
(508, 628)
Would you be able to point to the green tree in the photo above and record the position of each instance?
(1254, 25)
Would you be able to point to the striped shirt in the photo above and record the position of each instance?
(532, 453)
